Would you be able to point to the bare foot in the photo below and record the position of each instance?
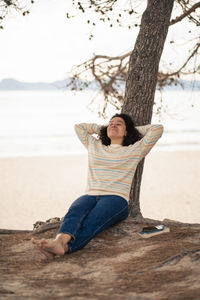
(37, 246)
(50, 248)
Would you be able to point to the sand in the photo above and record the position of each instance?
(39, 188)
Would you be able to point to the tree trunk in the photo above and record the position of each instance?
(142, 76)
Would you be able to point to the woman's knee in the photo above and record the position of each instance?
(83, 201)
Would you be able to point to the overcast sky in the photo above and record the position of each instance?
(44, 45)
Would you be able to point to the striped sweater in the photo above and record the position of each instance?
(111, 168)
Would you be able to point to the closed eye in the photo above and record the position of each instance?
(115, 124)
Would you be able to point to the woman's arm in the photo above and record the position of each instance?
(143, 129)
(151, 134)
(84, 131)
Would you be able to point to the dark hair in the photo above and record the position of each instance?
(131, 137)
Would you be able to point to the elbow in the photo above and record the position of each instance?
(161, 129)
(75, 127)
(157, 130)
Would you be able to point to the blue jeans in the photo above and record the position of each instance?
(89, 215)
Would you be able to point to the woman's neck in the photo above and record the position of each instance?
(116, 142)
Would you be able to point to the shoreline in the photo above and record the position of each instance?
(36, 188)
(80, 152)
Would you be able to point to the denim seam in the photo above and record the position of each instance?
(78, 226)
(99, 228)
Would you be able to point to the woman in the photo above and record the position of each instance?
(112, 160)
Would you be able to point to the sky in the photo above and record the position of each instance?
(45, 45)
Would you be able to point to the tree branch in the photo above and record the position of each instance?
(185, 14)
(8, 5)
(109, 72)
(163, 78)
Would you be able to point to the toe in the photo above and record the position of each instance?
(45, 253)
(34, 241)
(44, 243)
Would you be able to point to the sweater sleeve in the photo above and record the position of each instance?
(85, 131)
(151, 134)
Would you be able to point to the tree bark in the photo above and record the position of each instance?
(142, 76)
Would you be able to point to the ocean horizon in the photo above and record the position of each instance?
(37, 123)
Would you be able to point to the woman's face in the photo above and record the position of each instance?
(116, 129)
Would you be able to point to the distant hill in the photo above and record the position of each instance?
(184, 85)
(11, 84)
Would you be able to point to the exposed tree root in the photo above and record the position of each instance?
(48, 225)
(176, 258)
(140, 220)
(173, 259)
(9, 231)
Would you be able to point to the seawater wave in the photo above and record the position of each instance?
(42, 123)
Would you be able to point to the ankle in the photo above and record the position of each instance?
(63, 239)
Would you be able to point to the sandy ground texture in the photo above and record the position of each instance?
(39, 188)
(117, 264)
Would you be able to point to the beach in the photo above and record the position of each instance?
(42, 187)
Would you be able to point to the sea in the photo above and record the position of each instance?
(41, 123)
